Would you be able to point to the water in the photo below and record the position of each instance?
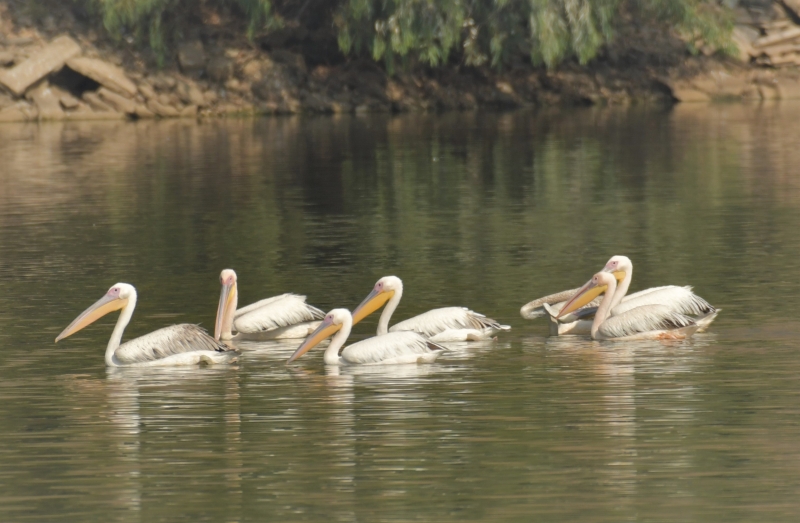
(483, 210)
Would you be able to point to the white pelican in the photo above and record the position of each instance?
(279, 317)
(679, 299)
(183, 344)
(444, 324)
(646, 322)
(391, 348)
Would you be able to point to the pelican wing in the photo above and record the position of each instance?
(439, 320)
(644, 319)
(535, 308)
(175, 339)
(390, 347)
(276, 312)
(678, 299)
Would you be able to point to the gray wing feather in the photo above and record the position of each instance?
(644, 319)
(388, 346)
(535, 309)
(435, 321)
(678, 299)
(273, 313)
(168, 341)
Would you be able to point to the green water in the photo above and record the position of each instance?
(486, 211)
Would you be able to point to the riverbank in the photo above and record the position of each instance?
(55, 67)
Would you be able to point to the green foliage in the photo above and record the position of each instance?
(698, 22)
(159, 21)
(547, 31)
(435, 32)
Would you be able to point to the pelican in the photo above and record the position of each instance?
(183, 344)
(391, 348)
(444, 324)
(279, 317)
(679, 299)
(646, 322)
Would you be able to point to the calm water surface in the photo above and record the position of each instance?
(483, 210)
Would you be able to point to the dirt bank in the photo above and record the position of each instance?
(55, 67)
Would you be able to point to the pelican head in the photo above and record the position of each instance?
(619, 266)
(115, 299)
(599, 283)
(228, 300)
(332, 324)
(383, 291)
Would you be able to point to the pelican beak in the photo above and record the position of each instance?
(225, 298)
(100, 308)
(619, 275)
(326, 329)
(374, 301)
(586, 294)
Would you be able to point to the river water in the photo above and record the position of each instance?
(482, 210)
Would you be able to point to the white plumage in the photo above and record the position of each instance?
(391, 348)
(275, 313)
(183, 344)
(279, 317)
(677, 299)
(643, 322)
(440, 325)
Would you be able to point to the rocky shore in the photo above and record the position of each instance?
(57, 70)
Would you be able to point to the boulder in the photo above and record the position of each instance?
(118, 102)
(219, 68)
(6, 58)
(192, 56)
(19, 112)
(47, 102)
(94, 101)
(189, 112)
(160, 109)
(147, 91)
(190, 94)
(39, 64)
(104, 73)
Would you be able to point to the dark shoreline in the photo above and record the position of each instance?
(216, 74)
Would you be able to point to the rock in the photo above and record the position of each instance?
(219, 68)
(84, 113)
(689, 94)
(46, 102)
(147, 91)
(744, 36)
(189, 112)
(192, 56)
(19, 112)
(143, 112)
(210, 97)
(728, 85)
(94, 101)
(778, 38)
(163, 82)
(162, 110)
(117, 101)
(252, 71)
(105, 74)
(6, 58)
(68, 101)
(190, 94)
(41, 63)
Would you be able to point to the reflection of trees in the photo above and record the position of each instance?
(445, 202)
